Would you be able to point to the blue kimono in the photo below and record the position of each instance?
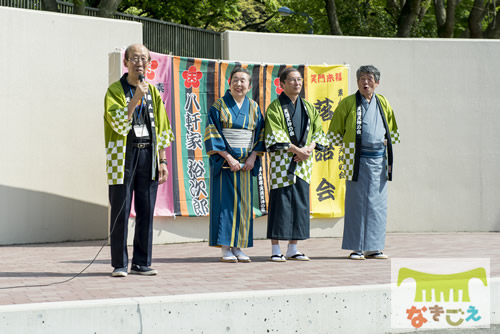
(366, 198)
(239, 131)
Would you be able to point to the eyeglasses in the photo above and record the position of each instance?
(136, 60)
(297, 80)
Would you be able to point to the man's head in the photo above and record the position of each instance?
(240, 81)
(368, 77)
(136, 59)
(291, 82)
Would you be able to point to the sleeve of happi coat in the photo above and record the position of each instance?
(391, 123)
(336, 129)
(318, 135)
(116, 111)
(165, 135)
(275, 133)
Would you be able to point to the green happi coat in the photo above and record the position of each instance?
(117, 126)
(276, 132)
(342, 130)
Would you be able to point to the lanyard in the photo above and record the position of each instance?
(142, 104)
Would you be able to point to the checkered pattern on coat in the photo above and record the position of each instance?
(115, 161)
(120, 122)
(276, 137)
(335, 139)
(349, 152)
(395, 137)
(165, 138)
(320, 138)
(280, 161)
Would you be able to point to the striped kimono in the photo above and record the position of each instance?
(238, 132)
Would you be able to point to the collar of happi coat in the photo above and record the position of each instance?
(150, 110)
(286, 106)
(359, 132)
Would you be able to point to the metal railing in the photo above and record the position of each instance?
(26, 4)
(177, 39)
(158, 36)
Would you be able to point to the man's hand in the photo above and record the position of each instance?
(163, 170)
(301, 153)
(141, 90)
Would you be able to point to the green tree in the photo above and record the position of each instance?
(206, 14)
(376, 18)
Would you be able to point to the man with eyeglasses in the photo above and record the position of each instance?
(137, 132)
(293, 130)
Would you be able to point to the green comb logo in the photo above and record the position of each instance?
(442, 283)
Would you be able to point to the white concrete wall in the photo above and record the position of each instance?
(446, 174)
(349, 310)
(56, 71)
(52, 161)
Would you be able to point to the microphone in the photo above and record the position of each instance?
(141, 77)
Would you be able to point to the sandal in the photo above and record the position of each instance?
(356, 256)
(242, 257)
(229, 259)
(298, 257)
(277, 258)
(377, 255)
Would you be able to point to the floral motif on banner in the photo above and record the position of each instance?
(150, 74)
(192, 77)
(278, 87)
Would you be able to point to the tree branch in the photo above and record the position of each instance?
(79, 7)
(393, 8)
(331, 10)
(475, 17)
(445, 17)
(257, 24)
(50, 5)
(440, 12)
(408, 16)
(493, 30)
(107, 8)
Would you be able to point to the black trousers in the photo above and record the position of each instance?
(288, 217)
(120, 198)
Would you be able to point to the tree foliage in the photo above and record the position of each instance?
(207, 14)
(377, 18)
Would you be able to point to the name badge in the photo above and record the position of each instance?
(141, 131)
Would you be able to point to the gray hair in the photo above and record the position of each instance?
(239, 69)
(368, 69)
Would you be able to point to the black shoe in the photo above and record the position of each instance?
(119, 272)
(143, 270)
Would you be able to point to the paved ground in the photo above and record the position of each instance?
(194, 268)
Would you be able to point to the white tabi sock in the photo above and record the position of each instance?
(276, 250)
(226, 251)
(292, 250)
(239, 254)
